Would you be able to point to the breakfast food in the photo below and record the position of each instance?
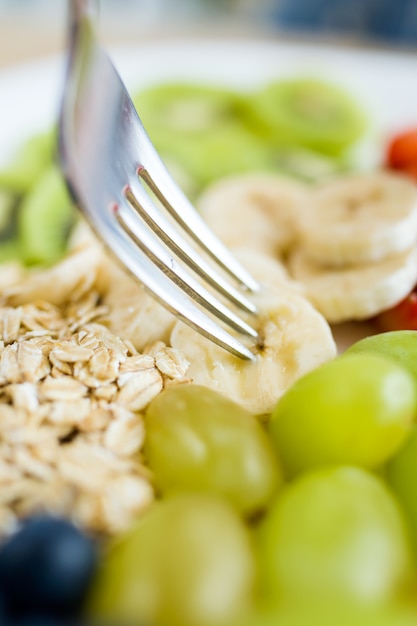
(294, 338)
(46, 217)
(67, 559)
(357, 219)
(158, 479)
(309, 112)
(401, 153)
(307, 551)
(400, 346)
(199, 440)
(350, 242)
(256, 211)
(201, 131)
(190, 561)
(355, 292)
(374, 424)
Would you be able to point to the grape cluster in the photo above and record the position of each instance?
(290, 519)
(305, 517)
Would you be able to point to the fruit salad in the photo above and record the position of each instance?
(149, 477)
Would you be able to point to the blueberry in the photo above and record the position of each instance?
(42, 620)
(39, 620)
(46, 568)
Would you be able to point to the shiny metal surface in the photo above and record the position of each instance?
(122, 187)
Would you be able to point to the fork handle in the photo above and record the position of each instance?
(82, 9)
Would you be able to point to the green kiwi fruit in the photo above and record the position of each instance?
(7, 206)
(201, 130)
(10, 250)
(187, 109)
(28, 164)
(220, 153)
(308, 112)
(305, 164)
(45, 217)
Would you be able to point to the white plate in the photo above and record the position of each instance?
(384, 82)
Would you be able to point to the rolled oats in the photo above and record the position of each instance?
(64, 388)
(9, 367)
(125, 436)
(70, 352)
(31, 361)
(24, 396)
(10, 321)
(171, 362)
(140, 388)
(71, 396)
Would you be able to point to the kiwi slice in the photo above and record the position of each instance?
(199, 130)
(308, 112)
(10, 250)
(305, 164)
(28, 164)
(9, 244)
(219, 153)
(187, 109)
(45, 217)
(7, 206)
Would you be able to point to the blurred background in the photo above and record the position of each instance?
(37, 27)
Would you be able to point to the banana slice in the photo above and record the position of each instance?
(295, 339)
(267, 270)
(133, 313)
(355, 293)
(360, 218)
(258, 211)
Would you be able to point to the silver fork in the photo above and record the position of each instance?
(123, 189)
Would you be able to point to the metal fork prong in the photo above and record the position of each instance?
(178, 205)
(159, 254)
(102, 145)
(173, 298)
(171, 236)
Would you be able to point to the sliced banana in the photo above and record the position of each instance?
(267, 270)
(360, 218)
(295, 339)
(133, 313)
(258, 211)
(355, 293)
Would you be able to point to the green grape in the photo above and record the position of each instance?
(198, 440)
(188, 562)
(323, 615)
(401, 474)
(335, 535)
(400, 345)
(356, 409)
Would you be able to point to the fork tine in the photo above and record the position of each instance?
(102, 144)
(172, 297)
(158, 253)
(171, 236)
(178, 205)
